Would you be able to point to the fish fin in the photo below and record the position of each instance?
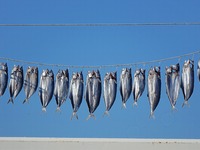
(58, 109)
(26, 100)
(174, 108)
(91, 116)
(10, 100)
(123, 105)
(135, 104)
(185, 103)
(106, 113)
(74, 115)
(44, 109)
(152, 115)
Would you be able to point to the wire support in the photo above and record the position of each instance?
(102, 24)
(100, 66)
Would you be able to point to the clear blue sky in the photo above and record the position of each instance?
(99, 46)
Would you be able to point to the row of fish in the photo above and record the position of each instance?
(93, 89)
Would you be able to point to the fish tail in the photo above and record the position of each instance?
(152, 115)
(135, 104)
(174, 108)
(58, 109)
(74, 115)
(185, 103)
(106, 113)
(91, 116)
(26, 100)
(44, 109)
(10, 100)
(123, 105)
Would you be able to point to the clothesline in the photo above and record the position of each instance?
(101, 24)
(101, 66)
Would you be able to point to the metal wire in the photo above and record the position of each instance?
(101, 66)
(102, 24)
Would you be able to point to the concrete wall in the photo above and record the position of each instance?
(97, 144)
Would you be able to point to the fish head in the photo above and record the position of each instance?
(137, 72)
(59, 74)
(97, 74)
(51, 74)
(44, 73)
(4, 66)
(198, 65)
(168, 70)
(90, 74)
(142, 71)
(80, 75)
(74, 76)
(107, 76)
(35, 70)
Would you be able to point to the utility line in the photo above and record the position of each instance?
(102, 24)
(100, 66)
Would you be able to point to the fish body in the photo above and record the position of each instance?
(172, 81)
(154, 88)
(138, 84)
(110, 90)
(198, 70)
(30, 82)
(175, 83)
(187, 80)
(61, 87)
(125, 85)
(76, 92)
(46, 88)
(16, 82)
(3, 77)
(93, 91)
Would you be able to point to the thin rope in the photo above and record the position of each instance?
(101, 24)
(100, 66)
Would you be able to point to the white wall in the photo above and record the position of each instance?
(97, 144)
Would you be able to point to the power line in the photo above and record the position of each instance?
(100, 66)
(102, 24)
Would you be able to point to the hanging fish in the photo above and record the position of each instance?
(16, 82)
(46, 88)
(198, 70)
(93, 91)
(3, 77)
(30, 82)
(176, 82)
(110, 90)
(172, 81)
(125, 85)
(138, 84)
(168, 82)
(187, 80)
(76, 92)
(61, 87)
(154, 88)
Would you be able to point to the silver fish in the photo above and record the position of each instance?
(154, 88)
(198, 70)
(76, 92)
(61, 87)
(138, 84)
(172, 81)
(46, 88)
(125, 85)
(187, 80)
(30, 82)
(16, 82)
(3, 77)
(110, 90)
(93, 91)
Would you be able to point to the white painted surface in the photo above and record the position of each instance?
(7, 143)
